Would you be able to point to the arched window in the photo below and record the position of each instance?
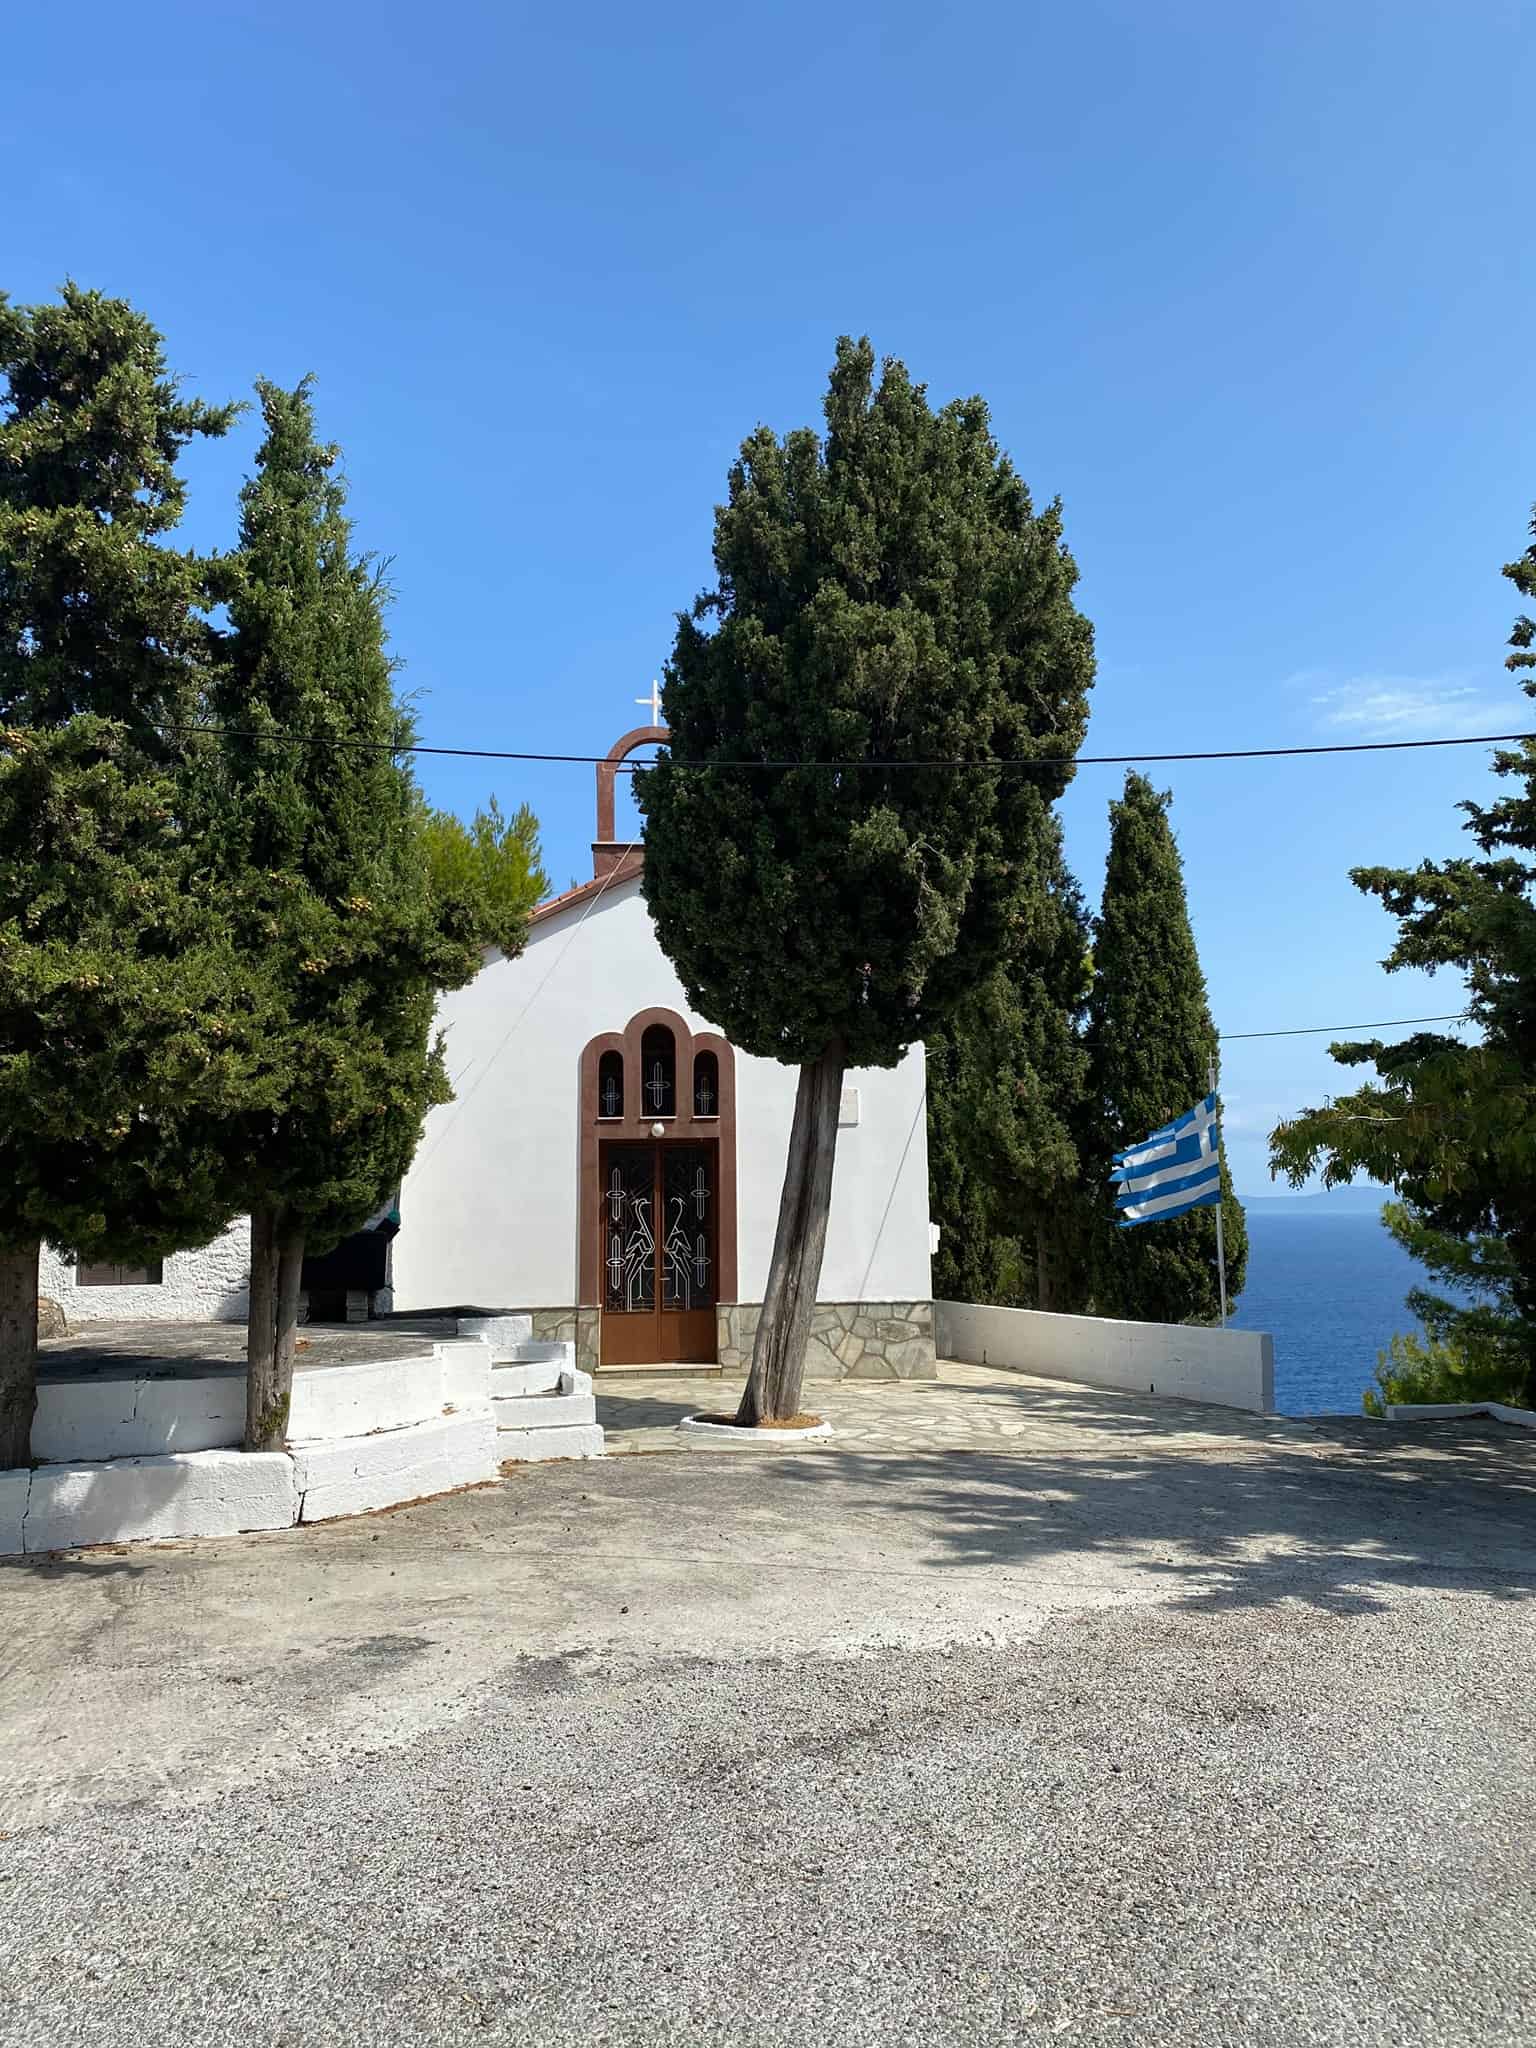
(706, 1084)
(658, 1072)
(610, 1085)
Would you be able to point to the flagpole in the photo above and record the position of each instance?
(1221, 1252)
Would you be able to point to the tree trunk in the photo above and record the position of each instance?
(778, 1354)
(18, 1355)
(290, 1269)
(1045, 1268)
(277, 1259)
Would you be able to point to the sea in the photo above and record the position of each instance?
(1328, 1285)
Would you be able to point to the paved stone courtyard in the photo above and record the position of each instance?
(1018, 1713)
(966, 1408)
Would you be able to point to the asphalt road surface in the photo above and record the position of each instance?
(1215, 1741)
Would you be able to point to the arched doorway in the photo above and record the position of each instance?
(658, 1189)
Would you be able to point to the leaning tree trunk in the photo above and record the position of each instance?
(18, 1354)
(277, 1260)
(778, 1355)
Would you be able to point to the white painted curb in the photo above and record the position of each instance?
(756, 1436)
(150, 1500)
(368, 1435)
(1429, 1411)
(533, 1446)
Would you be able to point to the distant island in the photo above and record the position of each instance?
(1347, 1201)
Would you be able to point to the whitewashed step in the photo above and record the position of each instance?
(543, 1411)
(500, 1332)
(507, 1380)
(355, 1475)
(547, 1376)
(527, 1446)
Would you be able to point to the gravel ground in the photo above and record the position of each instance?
(1271, 1824)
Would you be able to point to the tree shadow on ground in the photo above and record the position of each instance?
(625, 1412)
(96, 1562)
(1223, 1511)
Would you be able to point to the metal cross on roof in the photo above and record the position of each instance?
(653, 701)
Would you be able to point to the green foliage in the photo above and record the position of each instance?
(1006, 1096)
(1474, 1347)
(1150, 1043)
(95, 614)
(1455, 1368)
(1452, 1127)
(315, 838)
(122, 1003)
(885, 594)
(493, 864)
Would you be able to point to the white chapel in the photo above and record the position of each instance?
(611, 1165)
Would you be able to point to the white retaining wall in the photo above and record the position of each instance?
(148, 1414)
(1232, 1368)
(128, 1467)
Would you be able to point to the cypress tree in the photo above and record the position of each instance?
(1150, 1044)
(887, 595)
(1007, 1085)
(122, 1005)
(1451, 1126)
(317, 839)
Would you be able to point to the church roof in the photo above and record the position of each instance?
(625, 869)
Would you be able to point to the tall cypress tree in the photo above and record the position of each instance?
(1007, 1084)
(316, 838)
(1150, 1044)
(886, 596)
(122, 1005)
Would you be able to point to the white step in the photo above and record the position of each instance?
(497, 1331)
(354, 1475)
(543, 1411)
(548, 1376)
(507, 1380)
(530, 1445)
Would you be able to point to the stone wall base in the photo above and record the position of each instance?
(864, 1340)
(861, 1340)
(576, 1326)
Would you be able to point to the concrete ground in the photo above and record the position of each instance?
(198, 1350)
(1017, 1713)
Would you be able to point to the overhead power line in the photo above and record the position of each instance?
(1319, 1030)
(294, 739)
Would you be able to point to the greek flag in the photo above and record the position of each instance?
(1176, 1169)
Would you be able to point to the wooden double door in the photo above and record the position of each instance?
(658, 1218)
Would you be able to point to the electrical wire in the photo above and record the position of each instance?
(1319, 1030)
(1053, 761)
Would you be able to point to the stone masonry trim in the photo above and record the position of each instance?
(864, 1340)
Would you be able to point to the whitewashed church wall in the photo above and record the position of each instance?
(208, 1285)
(489, 1212)
(877, 1237)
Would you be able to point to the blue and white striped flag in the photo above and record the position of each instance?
(1178, 1168)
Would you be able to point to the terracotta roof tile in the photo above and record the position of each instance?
(628, 867)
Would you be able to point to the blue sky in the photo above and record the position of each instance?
(1250, 289)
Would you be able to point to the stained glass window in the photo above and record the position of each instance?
(658, 1072)
(610, 1085)
(706, 1084)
